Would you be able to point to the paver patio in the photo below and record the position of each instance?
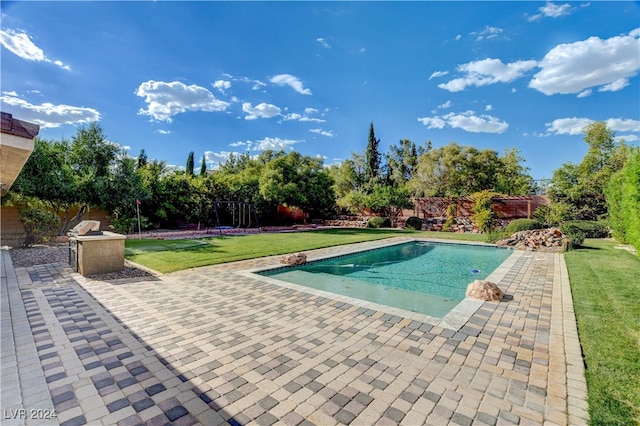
(215, 345)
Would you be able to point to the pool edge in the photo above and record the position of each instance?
(454, 320)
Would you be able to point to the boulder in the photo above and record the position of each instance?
(484, 290)
(294, 259)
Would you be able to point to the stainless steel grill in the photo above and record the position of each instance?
(86, 227)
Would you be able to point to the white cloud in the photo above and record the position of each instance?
(433, 122)
(291, 81)
(275, 144)
(623, 125)
(323, 42)
(215, 159)
(551, 10)
(222, 85)
(568, 126)
(487, 71)
(585, 93)
(438, 74)
(304, 118)
(20, 44)
(628, 138)
(467, 121)
(488, 107)
(328, 133)
(574, 67)
(458, 37)
(257, 84)
(446, 105)
(240, 143)
(576, 126)
(262, 110)
(163, 132)
(313, 119)
(292, 116)
(164, 100)
(487, 33)
(47, 115)
(614, 86)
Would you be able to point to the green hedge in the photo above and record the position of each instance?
(590, 228)
(623, 201)
(379, 222)
(518, 225)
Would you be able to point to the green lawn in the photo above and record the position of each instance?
(605, 283)
(174, 255)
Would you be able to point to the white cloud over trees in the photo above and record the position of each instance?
(487, 71)
(468, 121)
(166, 99)
(573, 67)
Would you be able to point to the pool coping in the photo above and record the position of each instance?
(455, 319)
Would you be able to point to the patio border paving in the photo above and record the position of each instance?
(213, 345)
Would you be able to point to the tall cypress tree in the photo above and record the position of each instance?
(372, 156)
(142, 158)
(203, 166)
(190, 164)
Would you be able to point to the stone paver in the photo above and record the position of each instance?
(218, 345)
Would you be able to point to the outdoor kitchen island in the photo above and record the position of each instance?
(92, 251)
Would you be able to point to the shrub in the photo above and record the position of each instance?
(40, 225)
(518, 225)
(451, 216)
(414, 223)
(129, 225)
(495, 236)
(541, 214)
(379, 222)
(483, 210)
(590, 228)
(574, 236)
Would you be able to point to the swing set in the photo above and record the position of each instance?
(242, 214)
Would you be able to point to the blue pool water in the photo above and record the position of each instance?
(424, 277)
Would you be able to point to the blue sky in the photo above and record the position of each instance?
(222, 77)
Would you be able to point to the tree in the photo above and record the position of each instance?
(452, 171)
(581, 187)
(190, 165)
(299, 181)
(203, 166)
(512, 177)
(125, 188)
(372, 156)
(142, 159)
(70, 175)
(402, 161)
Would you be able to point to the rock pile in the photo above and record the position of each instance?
(551, 239)
(484, 290)
(294, 259)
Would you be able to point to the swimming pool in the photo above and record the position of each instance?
(424, 277)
